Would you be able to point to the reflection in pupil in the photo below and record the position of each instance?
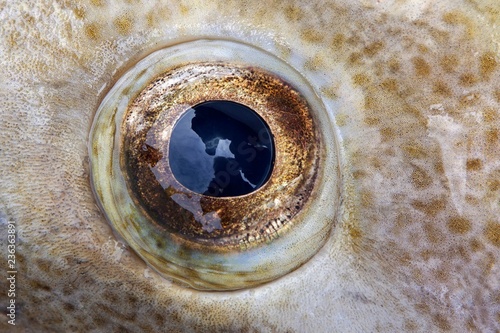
(221, 149)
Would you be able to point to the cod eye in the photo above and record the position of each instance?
(206, 158)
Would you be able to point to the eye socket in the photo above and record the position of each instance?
(208, 241)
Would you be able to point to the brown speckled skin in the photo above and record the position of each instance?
(414, 89)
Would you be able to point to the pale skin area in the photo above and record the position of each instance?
(414, 89)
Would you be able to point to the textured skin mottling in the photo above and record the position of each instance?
(413, 87)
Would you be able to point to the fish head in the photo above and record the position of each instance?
(412, 90)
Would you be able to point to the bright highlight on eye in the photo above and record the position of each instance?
(207, 157)
(221, 149)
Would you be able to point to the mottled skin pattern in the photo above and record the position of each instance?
(414, 87)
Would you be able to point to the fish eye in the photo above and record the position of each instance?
(206, 158)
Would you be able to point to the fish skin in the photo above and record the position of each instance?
(413, 88)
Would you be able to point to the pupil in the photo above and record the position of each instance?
(221, 149)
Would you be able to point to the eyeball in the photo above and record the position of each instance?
(207, 157)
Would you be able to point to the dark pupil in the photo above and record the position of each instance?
(221, 149)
